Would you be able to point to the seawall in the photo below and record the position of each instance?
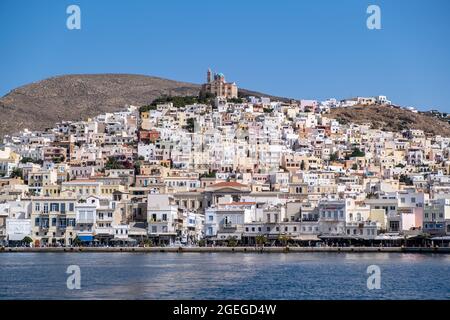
(232, 249)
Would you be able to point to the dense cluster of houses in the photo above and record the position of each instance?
(242, 171)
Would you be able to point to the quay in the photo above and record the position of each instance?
(229, 249)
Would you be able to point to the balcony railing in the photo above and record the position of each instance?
(229, 226)
(86, 221)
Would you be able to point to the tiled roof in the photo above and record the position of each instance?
(229, 184)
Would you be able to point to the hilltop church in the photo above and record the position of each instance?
(217, 86)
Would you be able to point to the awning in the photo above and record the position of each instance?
(123, 240)
(388, 237)
(306, 237)
(227, 236)
(86, 238)
(338, 236)
(445, 238)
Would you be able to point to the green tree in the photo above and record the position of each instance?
(27, 240)
(210, 174)
(284, 239)
(232, 242)
(302, 165)
(334, 157)
(77, 242)
(190, 126)
(17, 173)
(148, 243)
(137, 167)
(112, 163)
(261, 240)
(357, 153)
(236, 100)
(406, 180)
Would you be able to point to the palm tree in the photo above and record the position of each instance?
(284, 239)
(261, 240)
(76, 241)
(232, 242)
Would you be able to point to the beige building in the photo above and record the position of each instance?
(217, 86)
(53, 219)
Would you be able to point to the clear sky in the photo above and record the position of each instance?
(302, 49)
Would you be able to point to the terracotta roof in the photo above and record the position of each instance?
(238, 203)
(81, 181)
(228, 184)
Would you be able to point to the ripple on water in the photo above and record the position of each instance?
(224, 276)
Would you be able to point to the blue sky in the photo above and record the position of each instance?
(302, 49)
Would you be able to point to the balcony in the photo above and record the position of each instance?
(310, 219)
(229, 226)
(105, 218)
(86, 221)
(104, 231)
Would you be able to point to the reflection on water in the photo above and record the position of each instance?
(224, 276)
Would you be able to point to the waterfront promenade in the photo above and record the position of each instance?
(232, 249)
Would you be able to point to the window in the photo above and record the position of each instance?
(395, 225)
(36, 222)
(413, 200)
(53, 222)
(402, 200)
(54, 207)
(45, 207)
(210, 218)
(63, 208)
(37, 206)
(154, 229)
(164, 217)
(71, 206)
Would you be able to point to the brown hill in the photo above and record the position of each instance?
(40, 105)
(391, 119)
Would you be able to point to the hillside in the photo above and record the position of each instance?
(40, 105)
(391, 119)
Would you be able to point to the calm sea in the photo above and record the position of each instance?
(224, 276)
